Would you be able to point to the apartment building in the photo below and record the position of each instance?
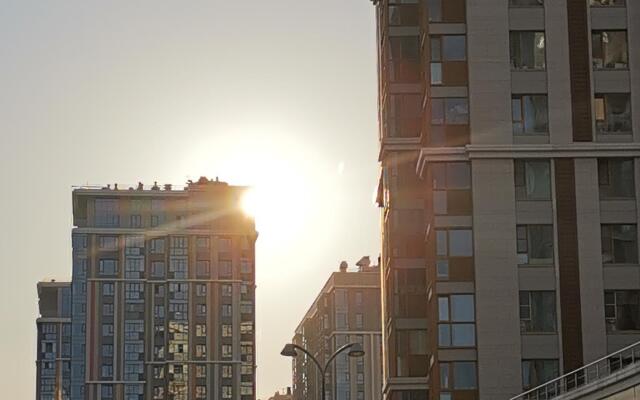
(509, 145)
(53, 360)
(163, 293)
(347, 310)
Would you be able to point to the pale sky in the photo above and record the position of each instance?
(280, 94)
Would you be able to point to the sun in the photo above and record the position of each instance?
(249, 202)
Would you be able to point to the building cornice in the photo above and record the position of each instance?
(511, 151)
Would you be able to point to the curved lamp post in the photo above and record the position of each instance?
(355, 350)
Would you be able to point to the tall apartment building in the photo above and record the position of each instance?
(346, 310)
(510, 145)
(163, 294)
(53, 362)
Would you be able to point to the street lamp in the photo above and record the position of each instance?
(355, 350)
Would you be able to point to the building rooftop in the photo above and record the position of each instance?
(203, 183)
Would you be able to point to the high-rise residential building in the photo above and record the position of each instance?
(510, 145)
(53, 362)
(347, 310)
(163, 293)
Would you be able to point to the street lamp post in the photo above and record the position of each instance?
(355, 350)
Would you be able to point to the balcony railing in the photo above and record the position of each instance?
(590, 373)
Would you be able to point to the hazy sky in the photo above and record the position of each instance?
(280, 94)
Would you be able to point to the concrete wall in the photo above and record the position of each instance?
(497, 311)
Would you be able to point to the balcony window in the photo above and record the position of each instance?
(613, 113)
(609, 50)
(535, 244)
(616, 178)
(456, 316)
(622, 310)
(449, 111)
(411, 353)
(404, 59)
(459, 375)
(106, 212)
(619, 244)
(404, 114)
(607, 3)
(526, 3)
(454, 243)
(527, 50)
(537, 372)
(404, 13)
(445, 49)
(533, 180)
(530, 114)
(537, 311)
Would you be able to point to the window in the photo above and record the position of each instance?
(227, 392)
(526, 3)
(202, 242)
(201, 309)
(359, 321)
(107, 309)
(157, 269)
(616, 178)
(108, 242)
(226, 310)
(226, 290)
(613, 113)
(201, 289)
(609, 50)
(449, 111)
(404, 13)
(201, 371)
(537, 311)
(456, 314)
(201, 330)
(527, 50)
(106, 212)
(107, 371)
(537, 372)
(108, 267)
(107, 289)
(434, 8)
(535, 244)
(106, 391)
(201, 350)
(533, 180)
(459, 375)
(444, 49)
(454, 243)
(245, 266)
(358, 298)
(134, 291)
(202, 268)
(227, 330)
(404, 112)
(157, 246)
(135, 221)
(179, 267)
(226, 268)
(622, 310)
(619, 244)
(134, 267)
(246, 328)
(201, 392)
(530, 114)
(404, 59)
(411, 346)
(107, 350)
(226, 351)
(451, 183)
(224, 245)
(607, 3)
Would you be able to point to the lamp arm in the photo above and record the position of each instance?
(302, 349)
(334, 355)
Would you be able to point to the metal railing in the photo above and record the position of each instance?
(581, 377)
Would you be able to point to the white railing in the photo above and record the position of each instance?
(599, 369)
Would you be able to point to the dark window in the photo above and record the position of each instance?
(537, 311)
(609, 50)
(616, 178)
(622, 310)
(537, 372)
(535, 244)
(613, 113)
(533, 180)
(619, 244)
(527, 50)
(530, 114)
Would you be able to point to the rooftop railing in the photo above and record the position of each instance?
(581, 377)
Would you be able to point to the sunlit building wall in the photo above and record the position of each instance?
(163, 293)
(509, 135)
(346, 310)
